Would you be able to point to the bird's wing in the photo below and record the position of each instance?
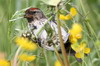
(55, 39)
(63, 32)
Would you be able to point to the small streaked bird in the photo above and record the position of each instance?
(48, 37)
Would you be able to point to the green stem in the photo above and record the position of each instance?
(92, 31)
(87, 23)
(93, 43)
(43, 26)
(37, 60)
(12, 53)
(47, 62)
(61, 41)
(58, 56)
(82, 6)
(16, 55)
(89, 27)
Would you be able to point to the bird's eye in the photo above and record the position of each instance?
(32, 12)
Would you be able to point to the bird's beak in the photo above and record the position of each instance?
(28, 16)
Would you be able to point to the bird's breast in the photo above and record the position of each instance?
(36, 26)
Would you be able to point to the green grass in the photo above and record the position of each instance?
(88, 16)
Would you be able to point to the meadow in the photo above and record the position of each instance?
(12, 24)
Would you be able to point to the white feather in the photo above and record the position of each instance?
(43, 35)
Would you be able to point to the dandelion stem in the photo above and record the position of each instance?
(16, 55)
(61, 41)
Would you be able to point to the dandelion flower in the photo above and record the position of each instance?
(25, 57)
(4, 63)
(57, 63)
(80, 50)
(26, 44)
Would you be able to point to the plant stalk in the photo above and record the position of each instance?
(16, 55)
(45, 55)
(61, 41)
(58, 56)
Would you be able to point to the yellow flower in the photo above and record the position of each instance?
(78, 36)
(68, 16)
(76, 28)
(25, 57)
(80, 50)
(79, 55)
(73, 40)
(75, 33)
(73, 11)
(57, 63)
(4, 63)
(62, 17)
(24, 43)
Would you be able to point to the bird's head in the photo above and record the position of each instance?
(33, 14)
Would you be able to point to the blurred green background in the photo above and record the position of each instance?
(9, 7)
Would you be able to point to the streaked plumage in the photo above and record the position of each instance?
(36, 20)
(48, 37)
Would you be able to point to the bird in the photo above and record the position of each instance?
(48, 37)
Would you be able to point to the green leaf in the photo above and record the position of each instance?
(51, 2)
(49, 30)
